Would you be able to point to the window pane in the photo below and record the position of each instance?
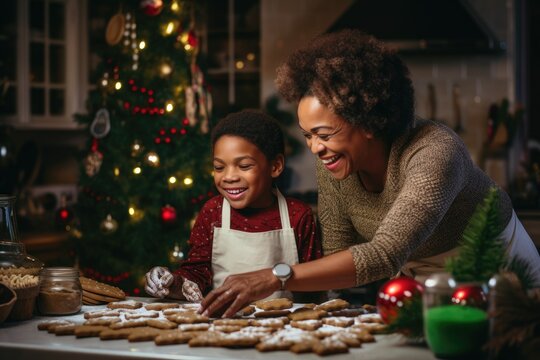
(37, 18)
(57, 21)
(57, 64)
(57, 101)
(37, 62)
(37, 101)
(8, 41)
(8, 101)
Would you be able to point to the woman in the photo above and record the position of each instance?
(395, 193)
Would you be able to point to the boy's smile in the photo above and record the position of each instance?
(243, 174)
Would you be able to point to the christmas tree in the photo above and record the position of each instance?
(147, 169)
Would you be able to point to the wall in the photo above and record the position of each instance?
(481, 79)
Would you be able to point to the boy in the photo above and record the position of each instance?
(249, 225)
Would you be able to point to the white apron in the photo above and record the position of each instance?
(235, 251)
(518, 243)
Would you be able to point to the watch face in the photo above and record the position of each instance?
(282, 270)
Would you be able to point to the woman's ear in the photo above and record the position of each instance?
(278, 164)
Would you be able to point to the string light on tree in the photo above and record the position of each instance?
(188, 181)
(152, 159)
(135, 213)
(176, 255)
(136, 148)
(137, 170)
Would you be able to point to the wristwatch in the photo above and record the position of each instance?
(283, 272)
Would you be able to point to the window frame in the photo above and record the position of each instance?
(76, 87)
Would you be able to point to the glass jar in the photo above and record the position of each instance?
(8, 221)
(60, 291)
(455, 317)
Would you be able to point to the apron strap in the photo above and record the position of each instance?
(226, 214)
(283, 211)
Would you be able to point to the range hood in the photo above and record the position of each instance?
(422, 26)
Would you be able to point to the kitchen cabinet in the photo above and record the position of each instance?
(232, 49)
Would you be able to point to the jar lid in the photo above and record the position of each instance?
(6, 199)
(60, 272)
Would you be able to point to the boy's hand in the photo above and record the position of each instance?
(158, 280)
(191, 291)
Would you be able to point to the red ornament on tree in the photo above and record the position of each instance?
(152, 7)
(394, 293)
(168, 215)
(470, 295)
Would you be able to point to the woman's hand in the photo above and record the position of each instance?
(238, 291)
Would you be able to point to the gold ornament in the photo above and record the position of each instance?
(109, 225)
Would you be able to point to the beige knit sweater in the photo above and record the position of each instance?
(432, 188)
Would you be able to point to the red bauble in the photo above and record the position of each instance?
(168, 215)
(394, 293)
(152, 7)
(470, 295)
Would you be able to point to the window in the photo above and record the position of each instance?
(41, 63)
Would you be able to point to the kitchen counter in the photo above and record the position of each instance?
(22, 340)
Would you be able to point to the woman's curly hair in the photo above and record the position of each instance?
(258, 128)
(356, 77)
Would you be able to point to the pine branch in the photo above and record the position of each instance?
(481, 255)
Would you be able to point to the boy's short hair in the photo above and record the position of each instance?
(258, 128)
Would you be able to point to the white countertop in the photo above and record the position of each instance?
(22, 340)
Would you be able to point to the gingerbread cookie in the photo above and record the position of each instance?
(89, 301)
(370, 318)
(64, 329)
(308, 325)
(194, 327)
(128, 324)
(232, 322)
(142, 315)
(341, 321)
(175, 337)
(238, 340)
(303, 347)
(190, 318)
(161, 306)
(161, 324)
(333, 305)
(104, 320)
(126, 304)
(248, 310)
(371, 309)
(143, 334)
(100, 288)
(348, 312)
(271, 313)
(209, 338)
(361, 334)
(350, 339)
(307, 314)
(111, 334)
(98, 297)
(46, 325)
(330, 346)
(88, 330)
(225, 328)
(274, 304)
(276, 323)
(100, 313)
